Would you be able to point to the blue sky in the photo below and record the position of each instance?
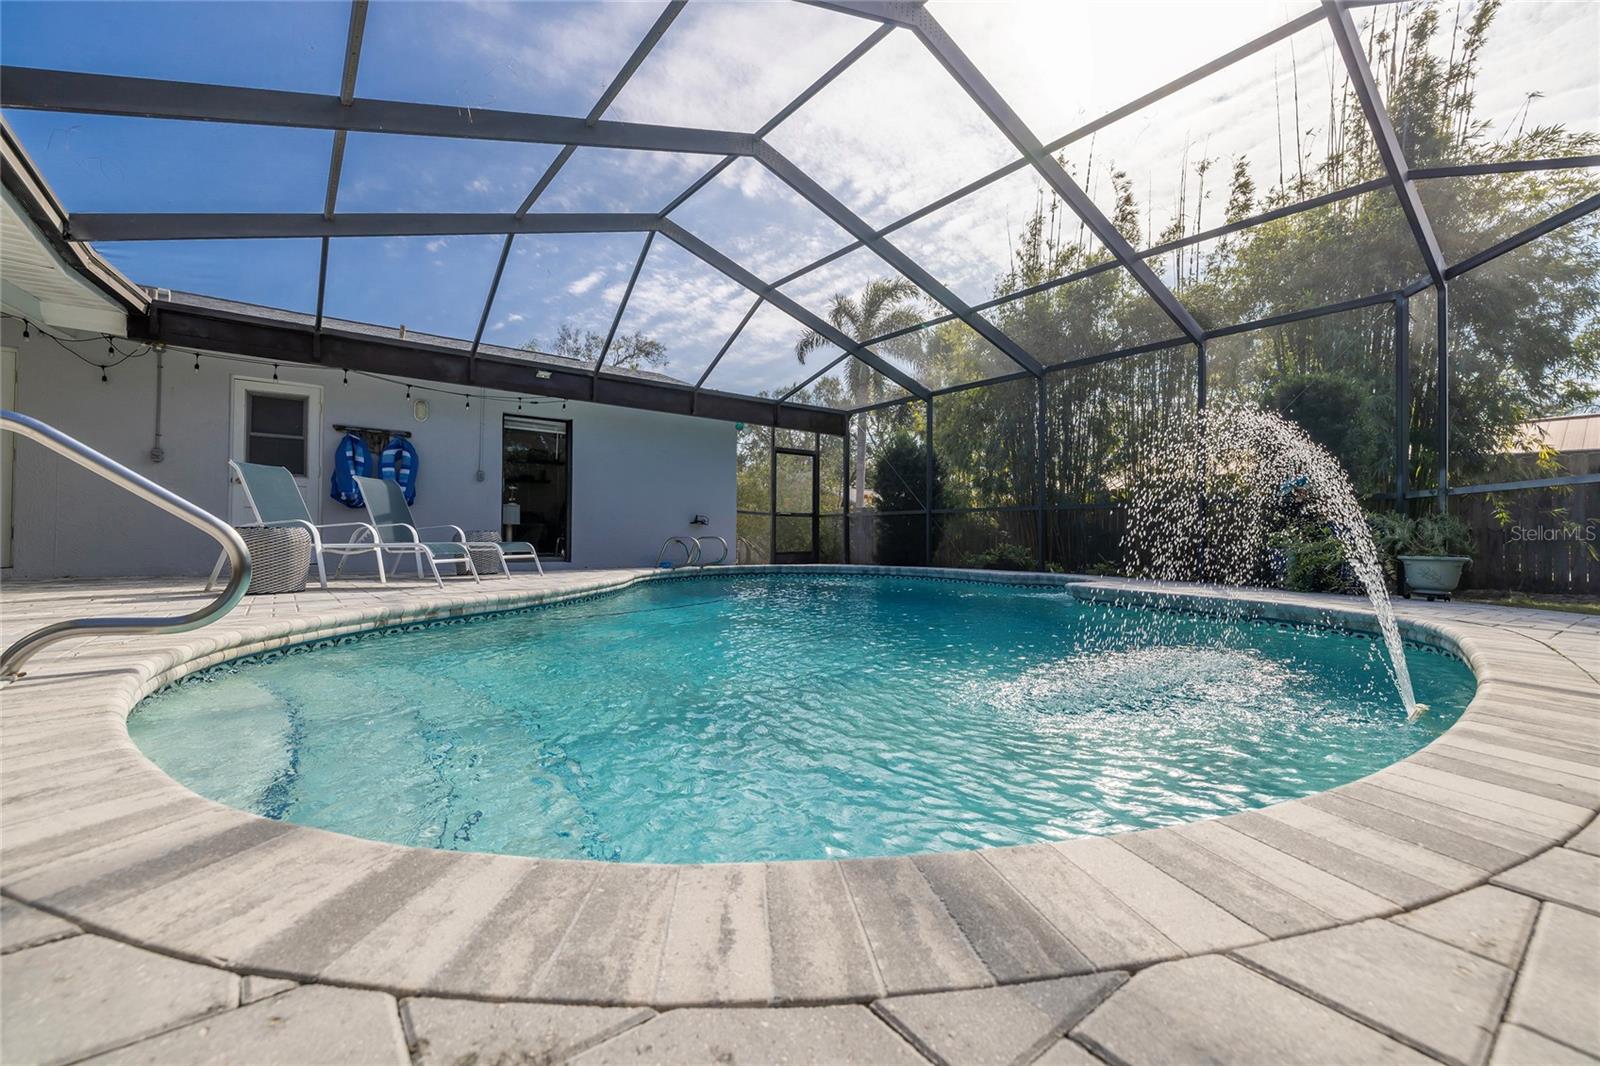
(889, 136)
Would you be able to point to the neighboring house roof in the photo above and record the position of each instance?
(1566, 434)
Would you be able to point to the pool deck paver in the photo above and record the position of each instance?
(23, 927)
(1432, 996)
(1444, 909)
(996, 1026)
(449, 1032)
(1216, 1009)
(73, 998)
(1556, 988)
(311, 1024)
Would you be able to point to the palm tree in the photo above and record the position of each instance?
(884, 306)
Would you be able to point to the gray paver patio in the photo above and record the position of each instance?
(1558, 990)
(304, 1027)
(1426, 886)
(450, 1032)
(1517, 1046)
(1066, 1053)
(1212, 1009)
(1560, 875)
(1417, 989)
(996, 1026)
(25, 927)
(253, 988)
(742, 1037)
(1486, 921)
(65, 1000)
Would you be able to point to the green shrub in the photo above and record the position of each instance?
(1440, 534)
(1001, 557)
(1430, 533)
(1316, 566)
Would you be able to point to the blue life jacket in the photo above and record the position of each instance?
(352, 459)
(399, 464)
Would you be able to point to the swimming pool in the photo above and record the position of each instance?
(782, 716)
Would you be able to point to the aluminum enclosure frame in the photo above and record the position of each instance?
(33, 88)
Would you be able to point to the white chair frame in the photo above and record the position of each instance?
(419, 550)
(318, 546)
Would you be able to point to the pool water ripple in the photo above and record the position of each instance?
(788, 716)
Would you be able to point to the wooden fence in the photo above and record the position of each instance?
(1534, 540)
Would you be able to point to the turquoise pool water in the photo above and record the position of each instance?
(731, 718)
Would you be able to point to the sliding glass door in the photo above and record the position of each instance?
(536, 458)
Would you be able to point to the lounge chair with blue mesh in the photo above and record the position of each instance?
(399, 534)
(275, 500)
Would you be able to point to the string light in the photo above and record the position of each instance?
(469, 402)
(347, 375)
(408, 392)
(197, 362)
(274, 371)
(103, 378)
(114, 356)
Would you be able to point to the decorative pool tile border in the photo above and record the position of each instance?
(1250, 611)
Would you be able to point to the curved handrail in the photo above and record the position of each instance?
(238, 555)
(691, 549)
(744, 551)
(700, 554)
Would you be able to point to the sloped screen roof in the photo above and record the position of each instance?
(838, 204)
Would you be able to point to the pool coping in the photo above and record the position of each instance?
(97, 834)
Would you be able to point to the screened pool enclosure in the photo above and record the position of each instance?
(948, 265)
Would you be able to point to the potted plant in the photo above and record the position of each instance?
(1430, 548)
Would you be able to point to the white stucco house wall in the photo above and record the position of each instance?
(638, 477)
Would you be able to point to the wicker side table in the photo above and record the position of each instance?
(486, 560)
(280, 557)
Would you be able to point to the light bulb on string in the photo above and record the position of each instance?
(197, 362)
(103, 377)
(408, 392)
(25, 333)
(274, 371)
(347, 375)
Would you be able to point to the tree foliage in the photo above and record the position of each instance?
(629, 351)
(1523, 330)
(900, 483)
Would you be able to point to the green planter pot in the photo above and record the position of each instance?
(1433, 576)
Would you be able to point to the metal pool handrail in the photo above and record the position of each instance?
(691, 549)
(700, 553)
(238, 555)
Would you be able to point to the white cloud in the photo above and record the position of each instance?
(892, 133)
(734, 65)
(436, 245)
(585, 283)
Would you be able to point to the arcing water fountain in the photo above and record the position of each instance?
(1221, 482)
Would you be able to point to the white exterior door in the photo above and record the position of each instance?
(277, 423)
